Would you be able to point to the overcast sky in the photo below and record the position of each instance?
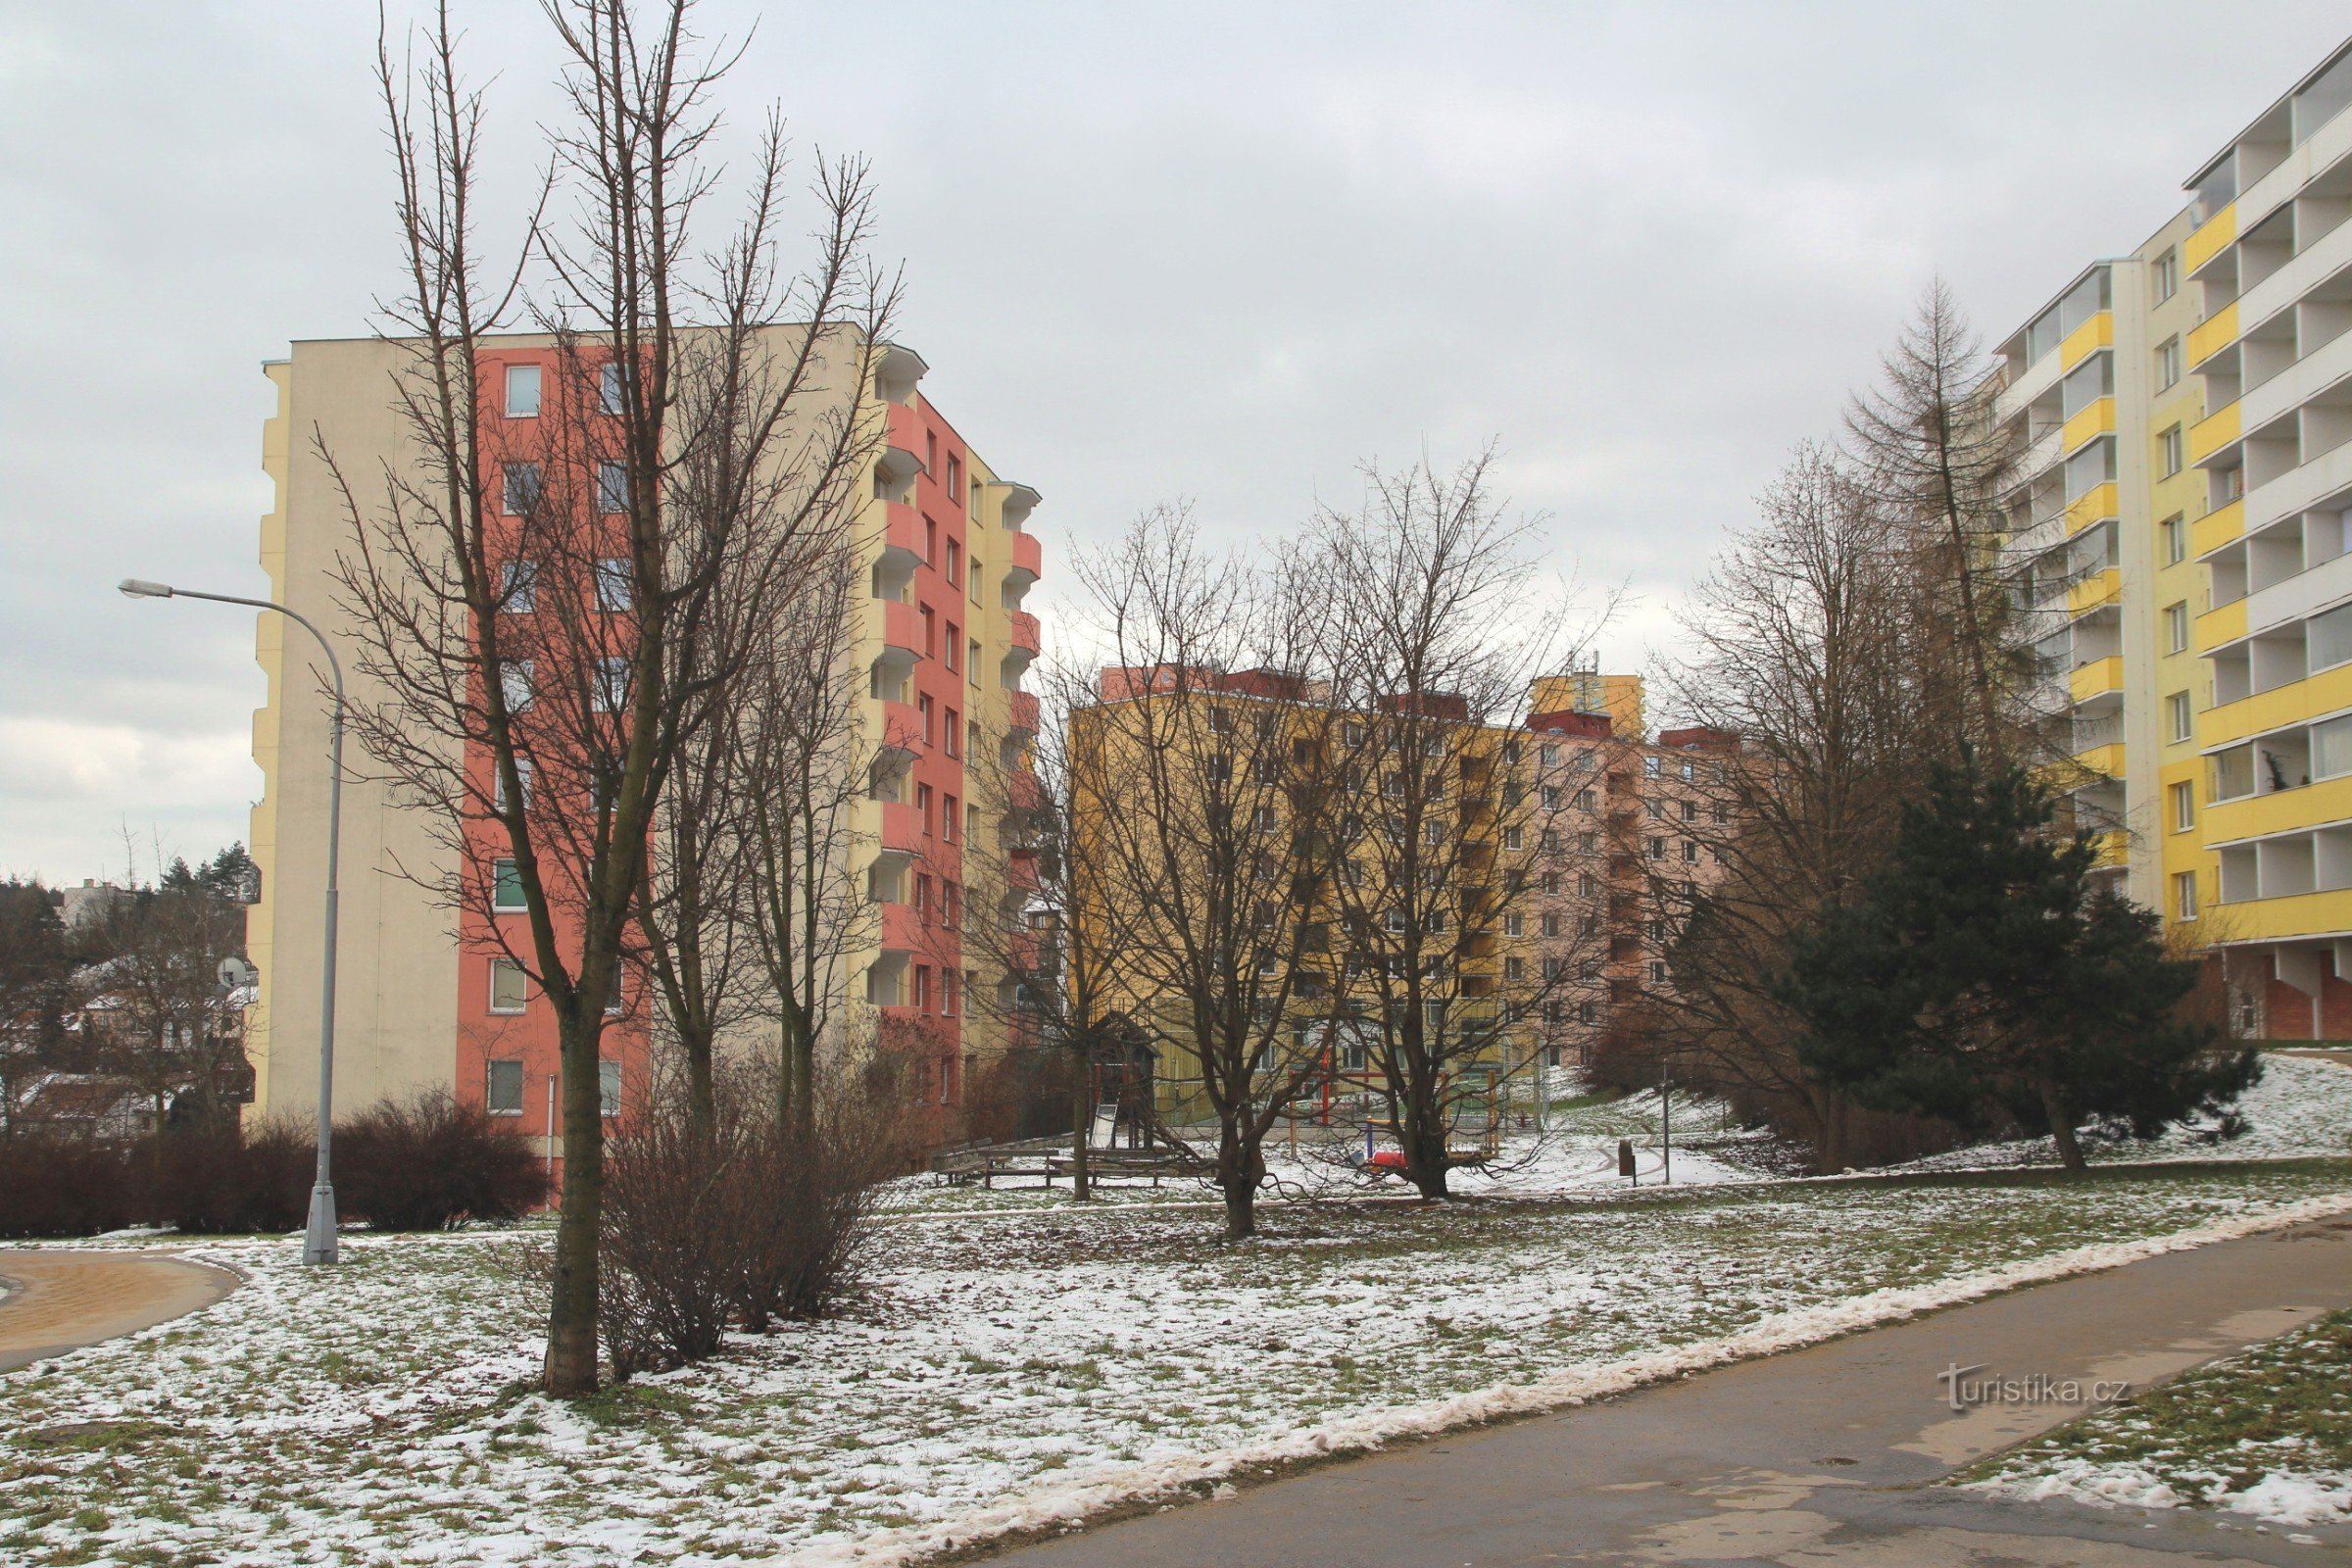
(1214, 251)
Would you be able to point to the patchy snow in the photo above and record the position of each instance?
(2283, 1497)
(2302, 1108)
(1008, 1371)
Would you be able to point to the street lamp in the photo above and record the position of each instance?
(318, 1240)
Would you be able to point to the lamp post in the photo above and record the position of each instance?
(318, 1240)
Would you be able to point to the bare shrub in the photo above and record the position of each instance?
(236, 1180)
(63, 1187)
(748, 1220)
(428, 1163)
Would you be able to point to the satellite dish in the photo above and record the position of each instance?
(236, 973)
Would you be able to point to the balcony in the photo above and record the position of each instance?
(2096, 505)
(2224, 623)
(903, 929)
(2105, 761)
(2087, 426)
(1028, 557)
(1021, 713)
(901, 730)
(2098, 679)
(2114, 849)
(902, 827)
(2217, 528)
(2215, 431)
(2218, 332)
(1022, 631)
(2212, 237)
(2098, 591)
(2085, 340)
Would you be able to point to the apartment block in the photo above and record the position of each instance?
(2179, 531)
(1567, 844)
(425, 999)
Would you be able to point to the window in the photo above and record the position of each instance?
(523, 391)
(930, 543)
(975, 575)
(1551, 925)
(2168, 365)
(2232, 774)
(498, 785)
(615, 585)
(930, 633)
(2330, 637)
(2166, 272)
(1652, 767)
(2178, 718)
(2184, 805)
(1514, 838)
(2168, 449)
(922, 805)
(2184, 895)
(518, 587)
(520, 488)
(2175, 531)
(1262, 819)
(972, 663)
(505, 885)
(1656, 809)
(1657, 974)
(514, 684)
(1394, 920)
(1514, 926)
(955, 564)
(608, 1088)
(505, 1089)
(955, 645)
(955, 726)
(1432, 831)
(947, 818)
(2331, 748)
(923, 710)
(954, 490)
(1690, 851)
(509, 987)
(1352, 733)
(1657, 849)
(1515, 968)
(1583, 800)
(611, 394)
(608, 690)
(2176, 628)
(946, 993)
(614, 1002)
(1221, 769)
(612, 487)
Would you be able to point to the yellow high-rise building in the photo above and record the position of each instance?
(2180, 526)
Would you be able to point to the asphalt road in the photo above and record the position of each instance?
(1817, 1458)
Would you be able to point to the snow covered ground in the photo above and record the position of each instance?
(2303, 1107)
(1008, 1371)
(2264, 1433)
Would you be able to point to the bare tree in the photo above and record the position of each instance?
(1807, 640)
(1450, 827)
(1064, 991)
(1933, 458)
(541, 608)
(36, 985)
(798, 743)
(1199, 786)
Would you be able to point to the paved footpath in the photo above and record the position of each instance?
(1816, 1458)
(60, 1301)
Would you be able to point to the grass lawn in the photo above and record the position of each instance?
(2267, 1432)
(382, 1411)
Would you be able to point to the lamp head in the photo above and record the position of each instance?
(138, 588)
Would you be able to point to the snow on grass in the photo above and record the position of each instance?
(1005, 1371)
(2302, 1109)
(2266, 1432)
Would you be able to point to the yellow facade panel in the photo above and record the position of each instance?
(2096, 592)
(2096, 505)
(2212, 433)
(2328, 692)
(2279, 812)
(2105, 761)
(2100, 677)
(2215, 333)
(2224, 623)
(2087, 425)
(2217, 528)
(2208, 240)
(2085, 340)
(2271, 919)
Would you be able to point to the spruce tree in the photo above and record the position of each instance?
(1986, 971)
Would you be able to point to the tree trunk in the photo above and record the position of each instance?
(571, 1370)
(702, 1092)
(1082, 1120)
(1422, 1131)
(2062, 1127)
(1239, 1170)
